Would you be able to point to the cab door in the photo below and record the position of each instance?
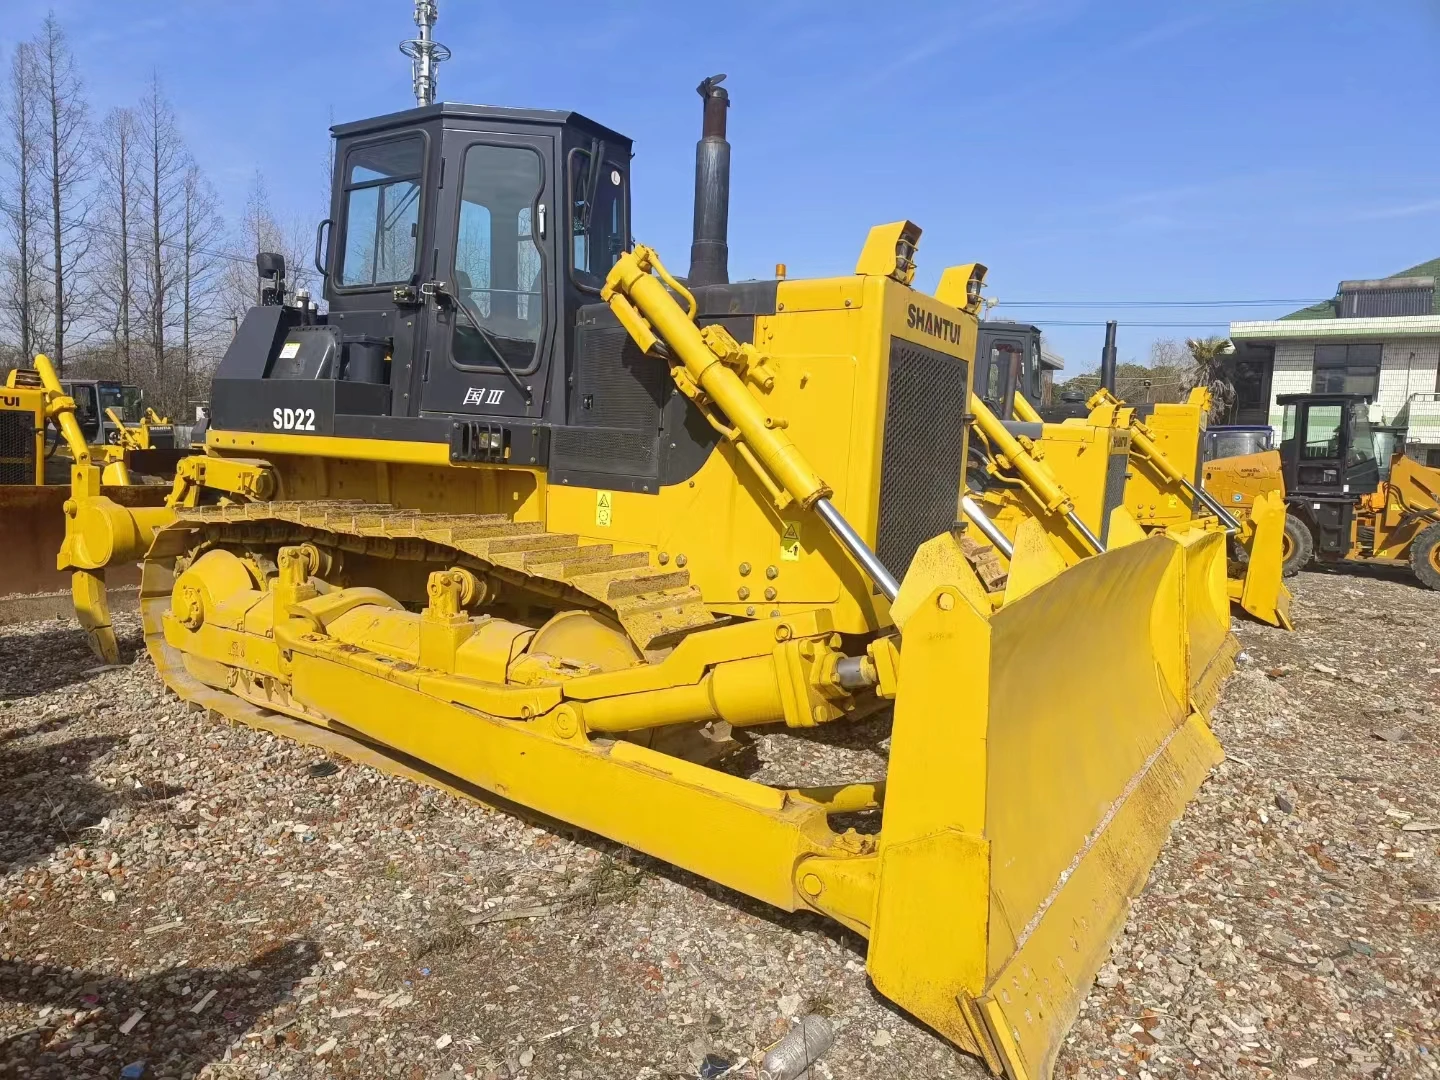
(492, 333)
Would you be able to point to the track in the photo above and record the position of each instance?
(654, 605)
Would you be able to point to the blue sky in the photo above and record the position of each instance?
(1085, 150)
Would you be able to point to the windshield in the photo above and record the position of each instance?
(134, 403)
(1225, 444)
(111, 398)
(1322, 432)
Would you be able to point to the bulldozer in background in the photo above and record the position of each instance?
(35, 467)
(122, 432)
(1145, 459)
(522, 504)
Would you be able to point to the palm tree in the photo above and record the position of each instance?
(1211, 367)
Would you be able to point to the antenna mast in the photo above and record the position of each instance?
(425, 53)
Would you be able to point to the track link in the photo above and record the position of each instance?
(655, 606)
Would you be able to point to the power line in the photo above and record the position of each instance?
(1153, 325)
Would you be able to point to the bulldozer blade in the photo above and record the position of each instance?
(1262, 592)
(32, 528)
(1211, 648)
(1039, 757)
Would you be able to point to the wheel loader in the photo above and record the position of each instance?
(529, 509)
(1144, 458)
(1353, 493)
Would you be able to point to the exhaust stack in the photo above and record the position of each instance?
(710, 248)
(1108, 359)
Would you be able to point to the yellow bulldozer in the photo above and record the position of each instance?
(35, 468)
(527, 507)
(1074, 464)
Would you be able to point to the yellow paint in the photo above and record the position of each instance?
(569, 642)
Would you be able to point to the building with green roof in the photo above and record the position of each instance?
(1379, 337)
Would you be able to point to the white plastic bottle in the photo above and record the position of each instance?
(792, 1056)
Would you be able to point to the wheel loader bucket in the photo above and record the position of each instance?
(1038, 759)
(1262, 592)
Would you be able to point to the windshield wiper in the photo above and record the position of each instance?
(491, 344)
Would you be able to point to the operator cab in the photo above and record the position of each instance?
(93, 397)
(1327, 446)
(465, 237)
(1007, 361)
(463, 261)
(461, 243)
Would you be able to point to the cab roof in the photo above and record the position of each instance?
(453, 110)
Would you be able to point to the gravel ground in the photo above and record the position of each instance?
(215, 901)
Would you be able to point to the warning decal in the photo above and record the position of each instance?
(604, 501)
(790, 542)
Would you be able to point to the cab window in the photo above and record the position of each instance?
(111, 397)
(497, 260)
(1322, 432)
(86, 410)
(382, 212)
(1362, 437)
(1003, 355)
(597, 214)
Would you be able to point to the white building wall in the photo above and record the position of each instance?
(1407, 366)
(1294, 373)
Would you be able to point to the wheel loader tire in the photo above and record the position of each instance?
(1296, 551)
(1298, 547)
(1425, 557)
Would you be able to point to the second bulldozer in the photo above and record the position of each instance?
(531, 510)
(1141, 460)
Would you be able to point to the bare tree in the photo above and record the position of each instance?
(64, 172)
(260, 230)
(1169, 353)
(116, 163)
(164, 165)
(23, 301)
(203, 229)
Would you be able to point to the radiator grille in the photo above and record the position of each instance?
(602, 451)
(616, 385)
(17, 448)
(1115, 471)
(923, 456)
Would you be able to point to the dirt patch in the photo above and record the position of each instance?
(267, 911)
